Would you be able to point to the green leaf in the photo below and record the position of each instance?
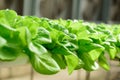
(8, 17)
(59, 27)
(95, 53)
(27, 21)
(70, 45)
(41, 60)
(24, 35)
(112, 52)
(111, 49)
(61, 49)
(89, 64)
(7, 31)
(8, 53)
(103, 62)
(72, 62)
(44, 63)
(37, 49)
(88, 45)
(10, 34)
(42, 36)
(76, 27)
(60, 60)
(80, 64)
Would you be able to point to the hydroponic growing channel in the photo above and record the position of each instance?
(52, 45)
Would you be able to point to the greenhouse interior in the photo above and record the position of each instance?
(59, 39)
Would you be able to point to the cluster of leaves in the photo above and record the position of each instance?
(52, 45)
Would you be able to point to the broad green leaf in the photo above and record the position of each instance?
(103, 62)
(72, 62)
(59, 27)
(44, 63)
(80, 64)
(112, 52)
(70, 45)
(84, 45)
(8, 53)
(50, 46)
(10, 34)
(76, 27)
(41, 60)
(8, 17)
(61, 49)
(6, 31)
(54, 35)
(42, 36)
(27, 21)
(89, 64)
(88, 45)
(24, 35)
(60, 60)
(37, 49)
(111, 49)
(95, 53)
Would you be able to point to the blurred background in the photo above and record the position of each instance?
(90, 10)
(107, 11)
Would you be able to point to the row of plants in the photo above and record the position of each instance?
(53, 45)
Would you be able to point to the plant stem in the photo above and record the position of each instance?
(87, 76)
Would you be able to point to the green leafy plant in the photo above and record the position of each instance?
(52, 45)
